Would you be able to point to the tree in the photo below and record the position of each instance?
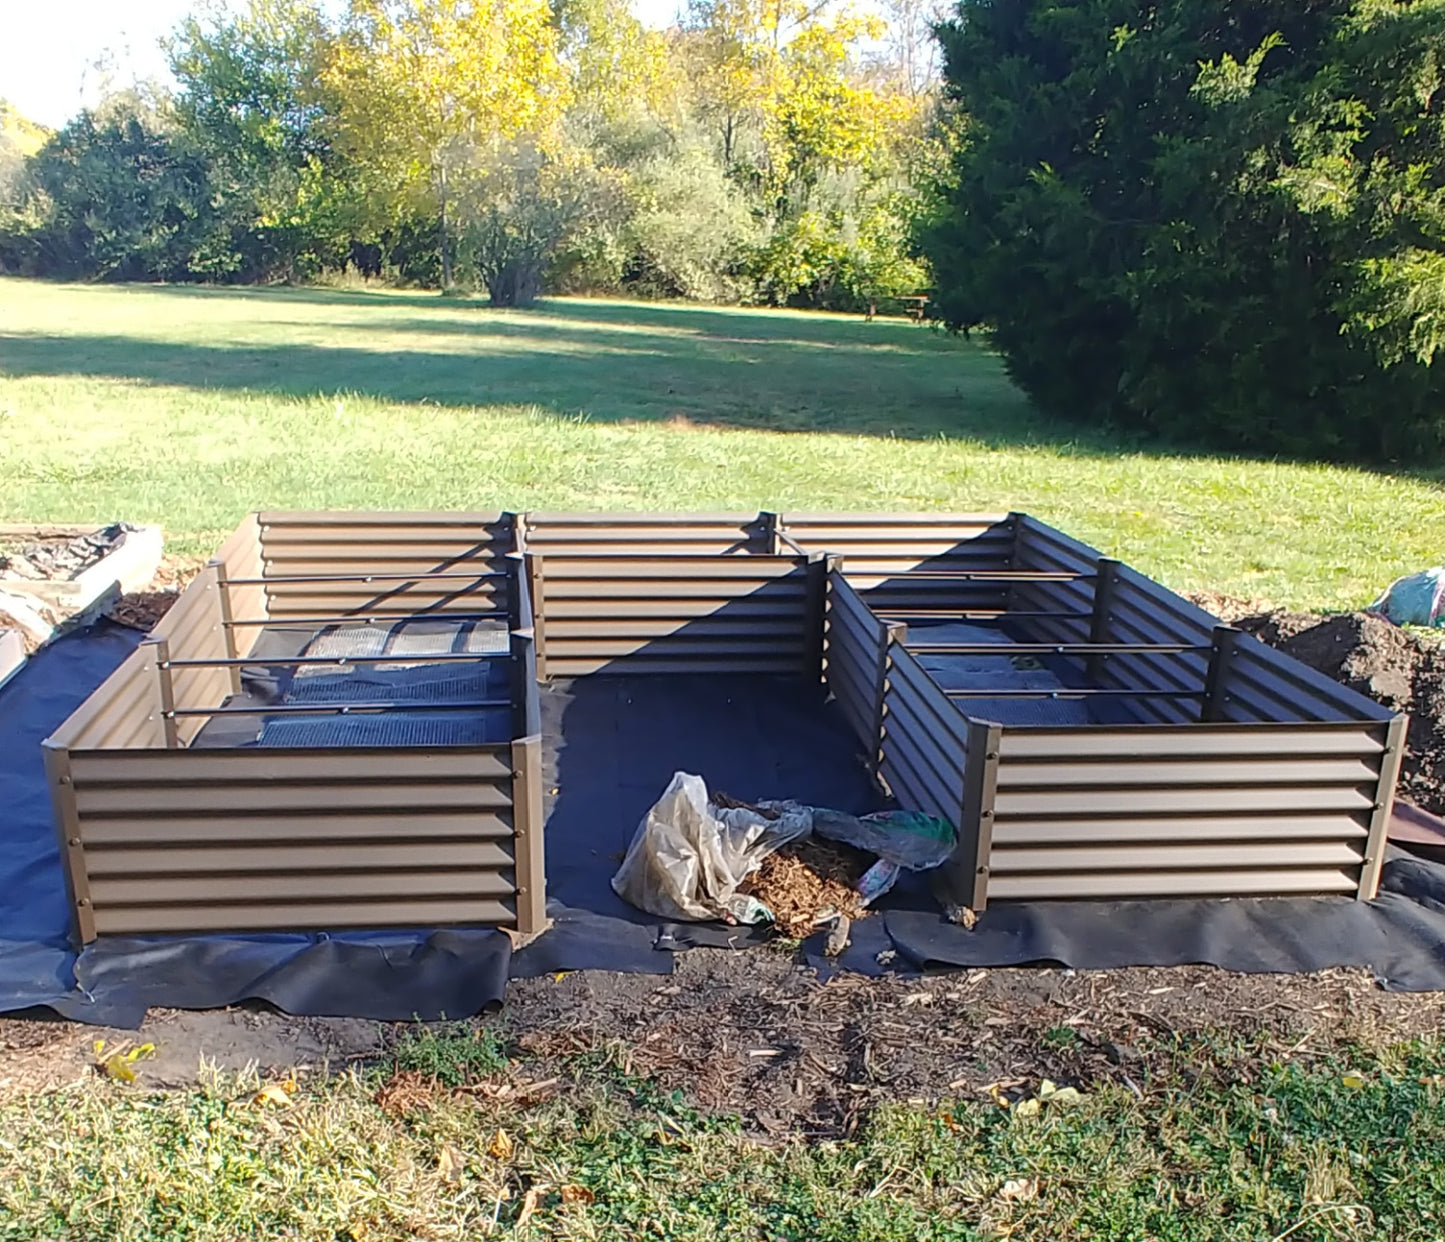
(1220, 220)
(118, 195)
(251, 100)
(422, 85)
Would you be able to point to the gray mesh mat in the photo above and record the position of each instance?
(407, 640)
(393, 729)
(439, 685)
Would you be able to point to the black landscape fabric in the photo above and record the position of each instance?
(613, 743)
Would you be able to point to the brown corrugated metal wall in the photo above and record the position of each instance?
(218, 840)
(644, 593)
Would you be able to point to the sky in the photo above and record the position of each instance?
(56, 55)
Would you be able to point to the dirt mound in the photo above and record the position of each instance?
(803, 883)
(141, 610)
(1393, 666)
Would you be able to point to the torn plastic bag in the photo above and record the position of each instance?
(1418, 599)
(688, 856)
(907, 839)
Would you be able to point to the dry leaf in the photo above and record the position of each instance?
(1027, 1108)
(501, 1146)
(967, 918)
(1354, 1080)
(274, 1094)
(529, 1205)
(118, 1064)
(1019, 1189)
(1050, 1094)
(577, 1194)
(450, 1163)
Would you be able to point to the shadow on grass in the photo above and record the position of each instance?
(607, 362)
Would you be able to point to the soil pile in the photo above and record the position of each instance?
(1395, 667)
(804, 883)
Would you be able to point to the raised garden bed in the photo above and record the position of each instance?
(1089, 733)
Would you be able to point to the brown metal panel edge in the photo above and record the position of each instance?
(820, 566)
(158, 656)
(963, 880)
(894, 632)
(72, 848)
(1390, 761)
(528, 818)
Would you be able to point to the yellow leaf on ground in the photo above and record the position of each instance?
(577, 1194)
(529, 1205)
(1354, 1080)
(1027, 1108)
(118, 1068)
(501, 1146)
(450, 1163)
(273, 1094)
(1049, 1093)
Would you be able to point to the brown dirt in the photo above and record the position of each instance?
(805, 883)
(140, 610)
(1396, 667)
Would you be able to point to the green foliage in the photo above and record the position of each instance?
(451, 1054)
(118, 195)
(1217, 220)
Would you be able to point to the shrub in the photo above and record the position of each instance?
(1218, 220)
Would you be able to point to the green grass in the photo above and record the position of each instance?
(190, 407)
(1234, 1149)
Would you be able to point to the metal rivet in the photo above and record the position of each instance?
(74, 840)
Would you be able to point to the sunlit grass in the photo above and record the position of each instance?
(1225, 1148)
(190, 407)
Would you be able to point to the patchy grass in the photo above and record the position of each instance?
(1219, 1148)
(192, 406)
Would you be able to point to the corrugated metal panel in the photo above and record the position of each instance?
(1260, 683)
(240, 558)
(855, 645)
(302, 545)
(1041, 548)
(241, 840)
(703, 613)
(901, 561)
(925, 741)
(121, 712)
(1141, 611)
(646, 534)
(193, 630)
(1175, 810)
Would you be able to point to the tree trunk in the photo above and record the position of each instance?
(446, 248)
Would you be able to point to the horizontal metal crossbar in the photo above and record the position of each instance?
(1009, 649)
(976, 575)
(948, 612)
(322, 578)
(366, 618)
(343, 708)
(1075, 694)
(440, 657)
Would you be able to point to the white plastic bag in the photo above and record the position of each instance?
(688, 856)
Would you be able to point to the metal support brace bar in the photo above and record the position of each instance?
(1216, 679)
(440, 657)
(1059, 648)
(1101, 620)
(980, 575)
(300, 579)
(159, 654)
(949, 612)
(368, 618)
(343, 708)
(1074, 694)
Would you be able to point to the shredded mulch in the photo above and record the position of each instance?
(808, 883)
(141, 610)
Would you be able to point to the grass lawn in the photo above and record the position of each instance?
(1227, 1147)
(190, 406)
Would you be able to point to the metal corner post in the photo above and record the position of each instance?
(1390, 761)
(72, 850)
(528, 816)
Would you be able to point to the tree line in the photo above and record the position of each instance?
(761, 150)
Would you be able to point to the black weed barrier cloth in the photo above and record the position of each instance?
(612, 745)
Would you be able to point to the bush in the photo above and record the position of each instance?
(1218, 220)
